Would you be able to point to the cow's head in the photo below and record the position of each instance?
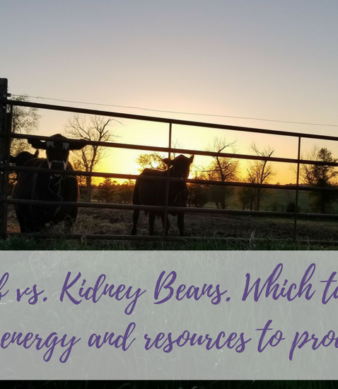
(57, 150)
(180, 165)
(23, 157)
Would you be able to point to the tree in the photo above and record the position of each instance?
(151, 161)
(291, 207)
(125, 191)
(106, 190)
(246, 197)
(92, 128)
(320, 176)
(25, 121)
(221, 169)
(82, 180)
(258, 172)
(198, 194)
(155, 160)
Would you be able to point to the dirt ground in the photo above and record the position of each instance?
(119, 222)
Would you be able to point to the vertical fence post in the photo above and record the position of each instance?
(165, 222)
(4, 150)
(297, 185)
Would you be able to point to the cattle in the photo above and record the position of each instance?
(20, 160)
(23, 157)
(153, 192)
(47, 186)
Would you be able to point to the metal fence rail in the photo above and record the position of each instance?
(289, 187)
(6, 108)
(129, 207)
(164, 120)
(186, 151)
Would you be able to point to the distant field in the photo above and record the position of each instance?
(275, 200)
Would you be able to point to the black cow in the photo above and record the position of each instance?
(20, 160)
(47, 187)
(153, 192)
(23, 157)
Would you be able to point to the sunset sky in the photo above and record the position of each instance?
(217, 61)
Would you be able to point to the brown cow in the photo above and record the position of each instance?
(153, 192)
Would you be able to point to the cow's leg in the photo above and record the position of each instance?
(69, 223)
(28, 223)
(136, 215)
(180, 222)
(168, 223)
(22, 222)
(152, 217)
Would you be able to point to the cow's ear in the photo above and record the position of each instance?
(167, 161)
(37, 144)
(191, 159)
(77, 146)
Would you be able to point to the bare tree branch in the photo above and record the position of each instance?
(257, 173)
(221, 169)
(89, 128)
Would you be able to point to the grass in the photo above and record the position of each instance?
(29, 244)
(247, 232)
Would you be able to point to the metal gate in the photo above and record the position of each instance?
(6, 135)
